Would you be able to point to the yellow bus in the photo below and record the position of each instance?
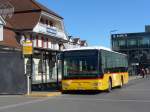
(93, 68)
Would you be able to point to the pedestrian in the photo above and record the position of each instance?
(142, 72)
(147, 72)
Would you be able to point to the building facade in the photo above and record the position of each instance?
(74, 42)
(44, 28)
(136, 46)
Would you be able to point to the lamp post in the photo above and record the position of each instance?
(110, 33)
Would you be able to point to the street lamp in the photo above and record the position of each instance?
(110, 33)
(113, 31)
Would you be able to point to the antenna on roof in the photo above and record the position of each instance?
(6, 9)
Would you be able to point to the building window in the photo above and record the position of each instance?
(34, 42)
(51, 23)
(42, 38)
(49, 44)
(47, 22)
(41, 67)
(45, 42)
(52, 45)
(122, 42)
(144, 41)
(37, 40)
(115, 43)
(42, 20)
(132, 42)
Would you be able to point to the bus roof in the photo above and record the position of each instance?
(92, 48)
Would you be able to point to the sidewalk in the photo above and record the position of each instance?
(43, 94)
(134, 77)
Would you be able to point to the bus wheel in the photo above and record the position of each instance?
(64, 92)
(121, 82)
(109, 85)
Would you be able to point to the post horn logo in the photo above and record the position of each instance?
(6, 9)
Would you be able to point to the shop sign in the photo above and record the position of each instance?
(40, 28)
(51, 31)
(27, 48)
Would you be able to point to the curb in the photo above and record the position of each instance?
(134, 78)
(43, 94)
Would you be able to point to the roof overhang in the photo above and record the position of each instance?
(51, 16)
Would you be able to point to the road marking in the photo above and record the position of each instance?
(24, 103)
(72, 99)
(105, 100)
(10, 96)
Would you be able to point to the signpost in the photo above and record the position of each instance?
(28, 50)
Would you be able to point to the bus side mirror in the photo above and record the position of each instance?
(60, 56)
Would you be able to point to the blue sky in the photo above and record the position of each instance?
(92, 20)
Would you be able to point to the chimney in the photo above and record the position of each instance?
(147, 28)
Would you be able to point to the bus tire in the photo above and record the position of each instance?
(109, 85)
(121, 82)
(64, 92)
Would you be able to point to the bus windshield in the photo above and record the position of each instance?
(79, 64)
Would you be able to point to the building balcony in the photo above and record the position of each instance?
(45, 44)
(49, 30)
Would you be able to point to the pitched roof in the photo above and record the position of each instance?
(10, 39)
(75, 40)
(83, 42)
(46, 9)
(24, 21)
(31, 5)
(27, 14)
(9, 36)
(5, 5)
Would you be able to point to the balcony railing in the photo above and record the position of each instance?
(52, 31)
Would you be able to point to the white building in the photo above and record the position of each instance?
(35, 23)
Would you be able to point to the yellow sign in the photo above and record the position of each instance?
(27, 48)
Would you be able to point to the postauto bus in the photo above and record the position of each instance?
(93, 68)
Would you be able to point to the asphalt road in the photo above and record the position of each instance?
(135, 97)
